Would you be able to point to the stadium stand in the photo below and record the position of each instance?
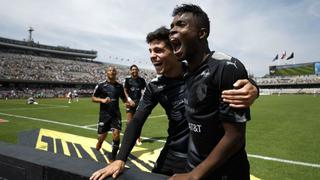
(291, 79)
(48, 71)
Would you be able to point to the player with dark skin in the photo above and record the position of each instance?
(107, 93)
(217, 138)
(166, 64)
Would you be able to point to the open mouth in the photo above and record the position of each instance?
(159, 67)
(157, 64)
(176, 45)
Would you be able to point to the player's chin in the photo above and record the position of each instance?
(159, 69)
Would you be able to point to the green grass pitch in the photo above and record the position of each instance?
(285, 129)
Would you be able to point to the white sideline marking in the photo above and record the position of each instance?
(90, 125)
(151, 117)
(44, 120)
(146, 138)
(44, 106)
(284, 161)
(53, 105)
(16, 109)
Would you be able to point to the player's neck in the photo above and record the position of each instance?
(175, 72)
(112, 81)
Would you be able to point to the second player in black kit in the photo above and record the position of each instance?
(107, 94)
(109, 115)
(205, 113)
(134, 85)
(169, 92)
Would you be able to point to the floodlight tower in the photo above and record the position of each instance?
(30, 34)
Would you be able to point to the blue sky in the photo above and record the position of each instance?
(253, 31)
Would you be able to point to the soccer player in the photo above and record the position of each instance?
(133, 87)
(31, 100)
(107, 93)
(167, 90)
(217, 131)
(76, 95)
(70, 97)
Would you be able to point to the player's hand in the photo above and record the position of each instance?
(132, 103)
(184, 176)
(113, 169)
(242, 96)
(106, 100)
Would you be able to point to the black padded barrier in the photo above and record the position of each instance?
(24, 163)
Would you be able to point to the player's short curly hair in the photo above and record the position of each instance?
(202, 17)
(133, 65)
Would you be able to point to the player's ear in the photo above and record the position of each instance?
(203, 33)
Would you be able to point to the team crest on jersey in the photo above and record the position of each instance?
(201, 91)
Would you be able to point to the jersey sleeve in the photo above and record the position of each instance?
(122, 94)
(143, 83)
(96, 92)
(126, 83)
(134, 127)
(253, 82)
(231, 72)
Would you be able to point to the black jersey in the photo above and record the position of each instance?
(134, 87)
(114, 92)
(205, 109)
(169, 92)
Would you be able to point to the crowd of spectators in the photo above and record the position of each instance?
(31, 68)
(37, 68)
(303, 79)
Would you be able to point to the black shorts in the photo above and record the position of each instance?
(170, 162)
(130, 109)
(108, 122)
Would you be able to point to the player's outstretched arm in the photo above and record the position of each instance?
(113, 169)
(243, 95)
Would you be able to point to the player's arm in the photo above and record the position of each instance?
(126, 92)
(243, 94)
(131, 134)
(96, 96)
(130, 102)
(232, 141)
(100, 100)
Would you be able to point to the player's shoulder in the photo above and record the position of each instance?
(220, 56)
(224, 59)
(156, 79)
(141, 78)
(102, 82)
(117, 84)
(127, 77)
